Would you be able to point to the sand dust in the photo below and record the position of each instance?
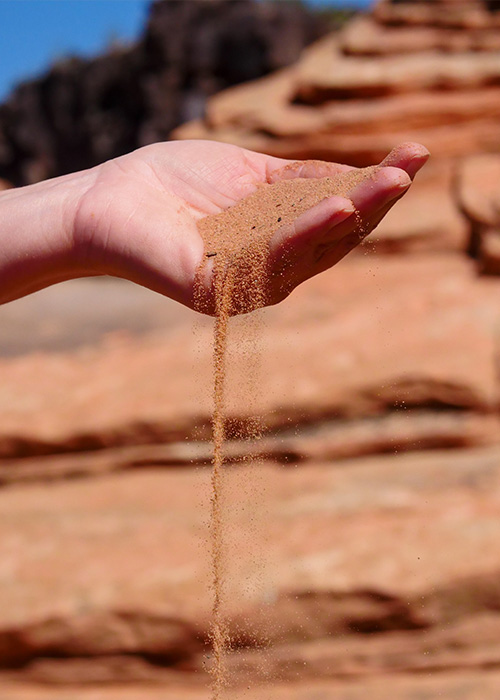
(237, 244)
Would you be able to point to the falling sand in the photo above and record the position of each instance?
(237, 250)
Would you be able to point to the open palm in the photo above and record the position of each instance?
(138, 219)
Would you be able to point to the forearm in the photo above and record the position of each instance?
(37, 246)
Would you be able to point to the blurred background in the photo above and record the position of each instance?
(364, 536)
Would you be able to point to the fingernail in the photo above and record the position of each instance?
(344, 209)
(342, 215)
(416, 163)
(401, 187)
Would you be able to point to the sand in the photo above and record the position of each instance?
(237, 245)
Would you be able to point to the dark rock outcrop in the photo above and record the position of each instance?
(82, 112)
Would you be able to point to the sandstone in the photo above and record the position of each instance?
(359, 149)
(433, 343)
(479, 189)
(426, 219)
(478, 196)
(365, 37)
(363, 528)
(69, 316)
(432, 76)
(418, 110)
(489, 251)
(393, 432)
(302, 570)
(325, 73)
(266, 106)
(75, 601)
(397, 652)
(466, 685)
(246, 103)
(468, 14)
(390, 433)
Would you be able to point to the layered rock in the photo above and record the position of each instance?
(467, 685)
(129, 599)
(432, 344)
(479, 198)
(410, 71)
(374, 79)
(427, 220)
(363, 37)
(105, 560)
(463, 14)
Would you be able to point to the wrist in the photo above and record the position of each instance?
(37, 235)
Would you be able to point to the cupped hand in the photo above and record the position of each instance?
(138, 218)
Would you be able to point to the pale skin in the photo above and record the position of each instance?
(136, 217)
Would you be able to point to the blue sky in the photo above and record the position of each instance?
(34, 33)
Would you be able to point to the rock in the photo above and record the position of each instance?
(364, 36)
(361, 132)
(248, 105)
(391, 433)
(432, 76)
(478, 195)
(325, 74)
(433, 343)
(355, 149)
(471, 14)
(316, 587)
(448, 685)
(479, 189)
(414, 430)
(362, 531)
(328, 440)
(395, 652)
(267, 105)
(47, 321)
(82, 112)
(427, 219)
(489, 252)
(129, 601)
(73, 603)
(100, 634)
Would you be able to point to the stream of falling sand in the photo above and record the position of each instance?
(237, 240)
(219, 633)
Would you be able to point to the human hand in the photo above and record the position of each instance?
(139, 218)
(136, 217)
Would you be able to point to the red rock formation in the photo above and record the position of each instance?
(340, 562)
(380, 75)
(111, 396)
(463, 14)
(128, 599)
(420, 71)
(479, 198)
(466, 685)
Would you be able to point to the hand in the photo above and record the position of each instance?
(138, 219)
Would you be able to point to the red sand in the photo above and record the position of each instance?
(237, 244)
